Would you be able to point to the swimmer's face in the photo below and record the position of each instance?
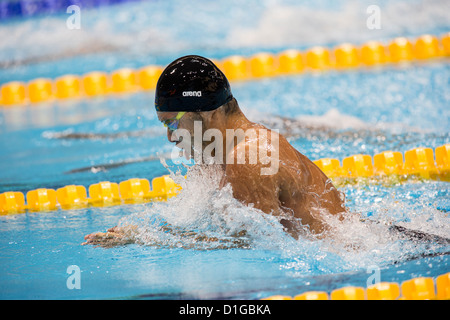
(186, 123)
(166, 116)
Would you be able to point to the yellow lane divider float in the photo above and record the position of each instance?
(418, 162)
(422, 288)
(101, 194)
(126, 80)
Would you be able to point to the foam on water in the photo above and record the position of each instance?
(332, 119)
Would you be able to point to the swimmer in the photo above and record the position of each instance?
(192, 94)
(193, 90)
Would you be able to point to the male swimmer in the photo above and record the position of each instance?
(193, 94)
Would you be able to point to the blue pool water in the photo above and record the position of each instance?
(361, 111)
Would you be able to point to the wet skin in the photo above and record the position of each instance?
(298, 191)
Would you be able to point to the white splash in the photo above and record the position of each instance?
(204, 217)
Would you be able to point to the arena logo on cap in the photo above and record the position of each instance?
(192, 93)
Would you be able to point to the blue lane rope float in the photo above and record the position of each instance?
(31, 8)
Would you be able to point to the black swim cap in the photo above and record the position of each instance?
(191, 83)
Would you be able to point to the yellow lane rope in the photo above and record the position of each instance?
(418, 162)
(126, 80)
(421, 288)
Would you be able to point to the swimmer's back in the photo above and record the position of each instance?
(306, 189)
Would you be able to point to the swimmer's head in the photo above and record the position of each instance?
(191, 84)
(192, 96)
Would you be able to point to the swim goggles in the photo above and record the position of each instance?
(172, 123)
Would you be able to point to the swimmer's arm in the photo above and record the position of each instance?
(113, 237)
(120, 236)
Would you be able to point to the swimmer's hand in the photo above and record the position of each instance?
(120, 236)
(115, 236)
